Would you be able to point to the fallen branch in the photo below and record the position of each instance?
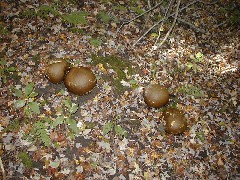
(163, 20)
(191, 25)
(173, 24)
(166, 13)
(2, 169)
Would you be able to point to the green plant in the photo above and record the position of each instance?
(26, 160)
(40, 133)
(104, 17)
(200, 135)
(95, 42)
(28, 13)
(76, 30)
(197, 58)
(70, 109)
(138, 10)
(27, 96)
(5, 71)
(116, 128)
(191, 90)
(14, 125)
(120, 8)
(3, 30)
(76, 18)
(119, 66)
(45, 10)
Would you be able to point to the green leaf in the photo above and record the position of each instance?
(199, 56)
(73, 109)
(62, 91)
(40, 132)
(189, 66)
(58, 120)
(11, 69)
(46, 139)
(18, 93)
(154, 35)
(119, 130)
(20, 103)
(34, 107)
(54, 164)
(29, 88)
(107, 128)
(200, 135)
(68, 103)
(3, 62)
(95, 42)
(72, 125)
(33, 94)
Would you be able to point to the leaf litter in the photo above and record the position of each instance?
(54, 134)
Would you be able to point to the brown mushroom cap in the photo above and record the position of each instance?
(155, 95)
(175, 121)
(80, 80)
(56, 71)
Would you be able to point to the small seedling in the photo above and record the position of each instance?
(191, 90)
(104, 17)
(70, 109)
(5, 71)
(26, 160)
(116, 128)
(76, 18)
(26, 99)
(40, 133)
(197, 57)
(95, 42)
(3, 30)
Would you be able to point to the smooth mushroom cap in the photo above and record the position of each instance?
(80, 80)
(56, 71)
(175, 121)
(156, 95)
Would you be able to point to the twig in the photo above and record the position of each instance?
(127, 22)
(166, 12)
(191, 25)
(2, 169)
(173, 24)
(163, 20)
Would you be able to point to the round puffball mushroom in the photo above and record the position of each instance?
(80, 80)
(55, 72)
(175, 121)
(155, 95)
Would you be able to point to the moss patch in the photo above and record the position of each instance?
(118, 65)
(26, 160)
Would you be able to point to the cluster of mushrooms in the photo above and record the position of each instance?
(78, 80)
(157, 96)
(81, 80)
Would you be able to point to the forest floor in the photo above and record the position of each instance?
(110, 133)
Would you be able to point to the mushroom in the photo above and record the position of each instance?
(55, 72)
(155, 95)
(80, 80)
(175, 121)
